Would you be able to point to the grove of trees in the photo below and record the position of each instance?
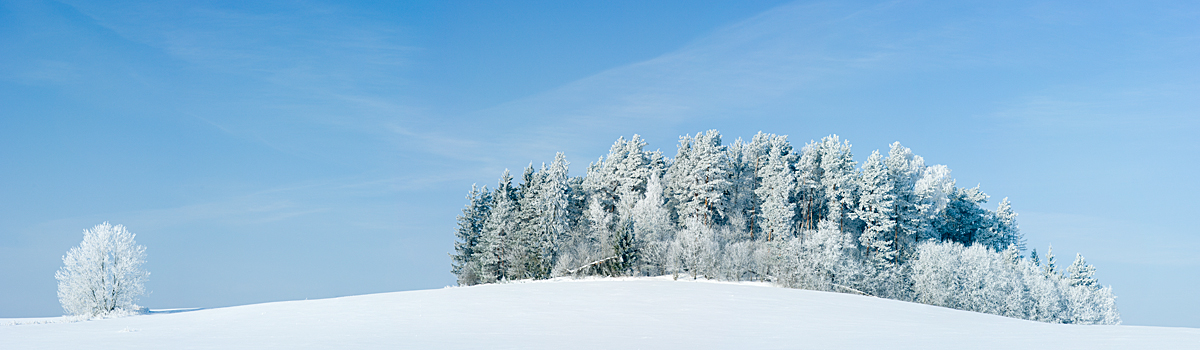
(761, 210)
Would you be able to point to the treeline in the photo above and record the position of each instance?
(764, 211)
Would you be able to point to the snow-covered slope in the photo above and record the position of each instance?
(654, 313)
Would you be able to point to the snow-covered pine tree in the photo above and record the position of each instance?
(838, 179)
(470, 229)
(103, 275)
(742, 182)
(876, 208)
(932, 193)
(1047, 303)
(493, 254)
(1090, 303)
(1050, 269)
(1002, 231)
(749, 158)
(631, 173)
(600, 184)
(777, 183)
(698, 180)
(525, 250)
(553, 200)
(616, 182)
(904, 169)
(810, 194)
(1080, 273)
(963, 217)
(576, 206)
(652, 225)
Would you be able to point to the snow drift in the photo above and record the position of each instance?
(651, 313)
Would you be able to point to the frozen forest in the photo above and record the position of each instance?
(761, 210)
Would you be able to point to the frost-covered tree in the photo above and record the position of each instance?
(932, 193)
(810, 194)
(652, 225)
(876, 208)
(836, 177)
(968, 278)
(904, 170)
(964, 219)
(1002, 231)
(743, 203)
(1047, 302)
(103, 275)
(1051, 267)
(1080, 273)
(818, 260)
(777, 184)
(695, 250)
(470, 229)
(493, 257)
(698, 180)
(553, 205)
(616, 182)
(1089, 302)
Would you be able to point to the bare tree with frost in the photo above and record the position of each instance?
(103, 276)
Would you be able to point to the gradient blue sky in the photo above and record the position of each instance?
(290, 150)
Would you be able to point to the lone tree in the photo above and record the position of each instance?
(103, 275)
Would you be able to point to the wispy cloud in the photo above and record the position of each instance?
(743, 66)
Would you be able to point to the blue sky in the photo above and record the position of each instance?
(290, 150)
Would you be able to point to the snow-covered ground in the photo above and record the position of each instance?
(655, 313)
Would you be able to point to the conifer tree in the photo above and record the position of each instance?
(743, 203)
(778, 183)
(810, 197)
(553, 202)
(617, 181)
(838, 179)
(963, 219)
(904, 169)
(932, 192)
(1081, 274)
(876, 210)
(1002, 231)
(1050, 269)
(525, 243)
(494, 253)
(652, 226)
(698, 180)
(470, 230)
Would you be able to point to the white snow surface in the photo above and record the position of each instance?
(635, 313)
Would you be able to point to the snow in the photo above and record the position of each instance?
(652, 313)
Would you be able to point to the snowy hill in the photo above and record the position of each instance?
(654, 313)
